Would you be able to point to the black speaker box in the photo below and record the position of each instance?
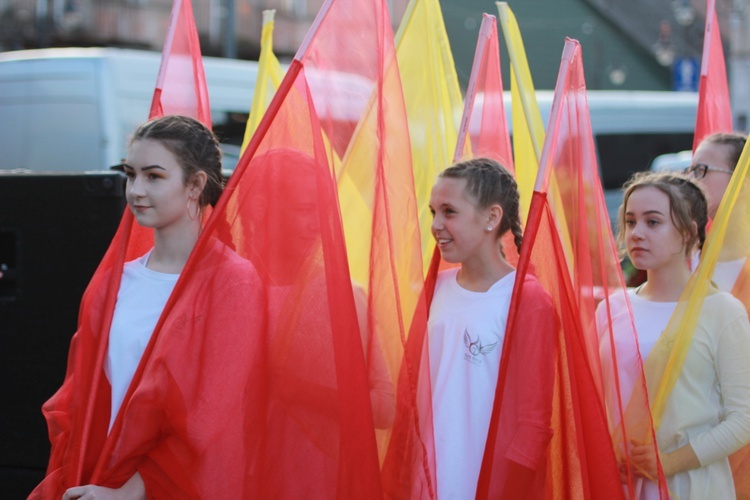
(54, 230)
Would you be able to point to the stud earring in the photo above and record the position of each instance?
(489, 229)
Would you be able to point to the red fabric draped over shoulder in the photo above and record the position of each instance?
(254, 382)
(549, 378)
(183, 421)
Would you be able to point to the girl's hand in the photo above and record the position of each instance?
(134, 489)
(644, 460)
(91, 492)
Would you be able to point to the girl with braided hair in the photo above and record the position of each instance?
(151, 405)
(474, 204)
(701, 401)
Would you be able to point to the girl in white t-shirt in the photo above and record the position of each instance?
(707, 414)
(173, 170)
(473, 204)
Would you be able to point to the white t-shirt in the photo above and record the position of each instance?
(140, 301)
(651, 319)
(466, 331)
(726, 273)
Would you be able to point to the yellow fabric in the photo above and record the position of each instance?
(730, 224)
(381, 227)
(433, 102)
(528, 127)
(270, 75)
(358, 180)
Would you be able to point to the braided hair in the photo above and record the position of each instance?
(688, 206)
(489, 183)
(194, 145)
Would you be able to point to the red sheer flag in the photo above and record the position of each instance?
(596, 277)
(714, 109)
(356, 87)
(349, 61)
(409, 468)
(546, 380)
(181, 85)
(314, 420)
(253, 384)
(484, 124)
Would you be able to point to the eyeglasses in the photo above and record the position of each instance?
(699, 170)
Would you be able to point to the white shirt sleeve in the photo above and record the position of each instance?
(732, 364)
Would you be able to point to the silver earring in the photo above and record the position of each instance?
(197, 210)
(489, 229)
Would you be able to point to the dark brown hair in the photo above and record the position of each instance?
(489, 183)
(194, 145)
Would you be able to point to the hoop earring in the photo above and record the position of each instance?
(197, 211)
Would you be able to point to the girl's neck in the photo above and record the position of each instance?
(478, 275)
(172, 247)
(665, 284)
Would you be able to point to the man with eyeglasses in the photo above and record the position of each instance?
(713, 165)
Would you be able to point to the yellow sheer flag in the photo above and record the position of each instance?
(725, 241)
(270, 75)
(268, 80)
(528, 127)
(356, 198)
(433, 102)
(381, 227)
(358, 185)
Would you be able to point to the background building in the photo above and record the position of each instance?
(627, 44)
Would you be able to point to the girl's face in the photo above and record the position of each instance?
(156, 191)
(458, 226)
(715, 182)
(653, 242)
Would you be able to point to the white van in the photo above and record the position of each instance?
(672, 162)
(73, 109)
(631, 129)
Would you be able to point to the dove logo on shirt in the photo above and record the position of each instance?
(476, 348)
